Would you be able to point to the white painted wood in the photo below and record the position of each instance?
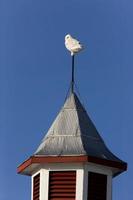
(32, 188)
(41, 183)
(32, 178)
(91, 167)
(109, 187)
(69, 167)
(62, 166)
(79, 184)
(44, 178)
(98, 169)
(81, 178)
(44, 184)
(85, 183)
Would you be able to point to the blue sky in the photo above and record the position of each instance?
(35, 73)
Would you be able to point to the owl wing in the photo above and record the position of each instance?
(75, 42)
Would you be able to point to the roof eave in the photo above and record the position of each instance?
(28, 166)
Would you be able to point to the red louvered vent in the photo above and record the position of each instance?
(36, 187)
(62, 185)
(97, 186)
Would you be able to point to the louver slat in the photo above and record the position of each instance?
(36, 187)
(97, 186)
(62, 185)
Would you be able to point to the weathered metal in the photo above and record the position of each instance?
(73, 133)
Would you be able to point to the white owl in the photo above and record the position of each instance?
(72, 44)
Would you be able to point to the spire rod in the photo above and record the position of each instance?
(72, 81)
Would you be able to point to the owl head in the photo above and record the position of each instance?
(68, 36)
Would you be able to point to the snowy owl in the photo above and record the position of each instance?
(72, 44)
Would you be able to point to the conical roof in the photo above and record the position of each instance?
(73, 134)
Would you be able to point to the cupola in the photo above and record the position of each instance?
(72, 161)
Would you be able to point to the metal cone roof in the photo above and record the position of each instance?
(73, 134)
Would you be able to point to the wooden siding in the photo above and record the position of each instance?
(62, 185)
(97, 186)
(36, 187)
